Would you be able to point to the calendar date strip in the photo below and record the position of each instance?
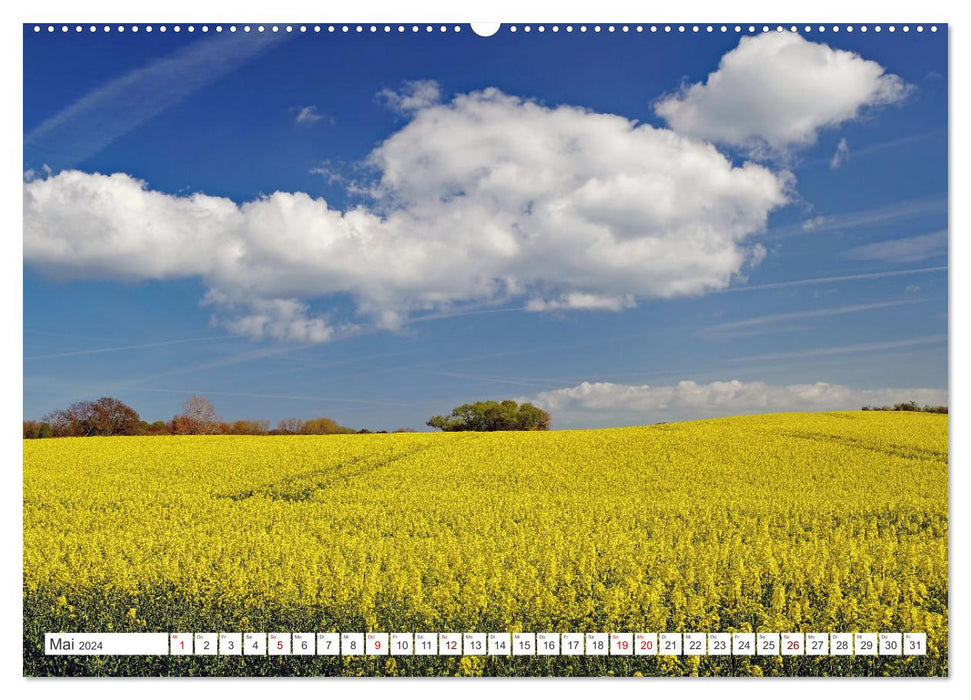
(487, 644)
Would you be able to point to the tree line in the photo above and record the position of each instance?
(109, 416)
(908, 406)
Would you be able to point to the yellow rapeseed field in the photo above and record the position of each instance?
(786, 522)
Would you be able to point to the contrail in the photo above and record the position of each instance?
(287, 397)
(122, 348)
(809, 313)
(121, 105)
(848, 349)
(826, 280)
(865, 217)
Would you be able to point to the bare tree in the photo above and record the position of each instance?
(198, 417)
(112, 417)
(106, 416)
(290, 426)
(70, 421)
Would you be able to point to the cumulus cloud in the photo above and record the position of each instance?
(900, 250)
(412, 96)
(776, 90)
(479, 199)
(602, 403)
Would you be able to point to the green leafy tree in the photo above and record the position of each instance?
(532, 418)
(489, 416)
(159, 427)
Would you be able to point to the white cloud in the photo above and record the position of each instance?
(813, 223)
(31, 174)
(578, 301)
(602, 403)
(841, 155)
(900, 250)
(775, 90)
(309, 115)
(279, 319)
(413, 95)
(486, 197)
(80, 225)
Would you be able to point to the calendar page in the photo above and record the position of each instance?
(517, 350)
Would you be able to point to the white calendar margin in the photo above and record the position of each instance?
(444, 10)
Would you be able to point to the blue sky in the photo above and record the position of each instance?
(760, 226)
